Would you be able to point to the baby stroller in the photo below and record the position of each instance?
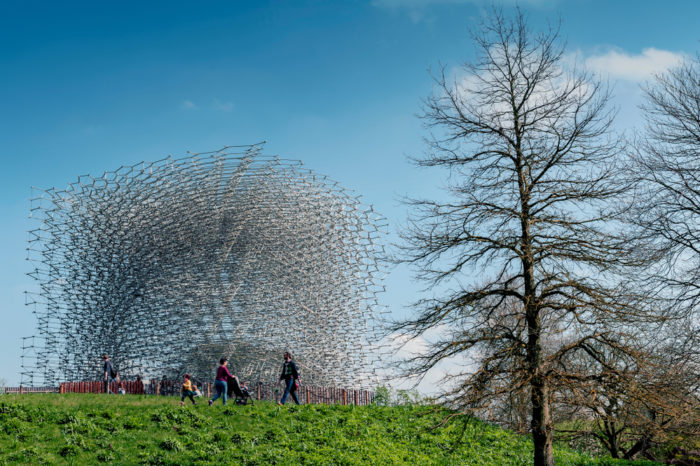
(242, 395)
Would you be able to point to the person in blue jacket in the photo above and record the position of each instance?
(290, 377)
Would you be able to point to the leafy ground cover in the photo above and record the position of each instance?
(87, 429)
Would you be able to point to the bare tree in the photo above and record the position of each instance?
(528, 251)
(667, 213)
(668, 166)
(641, 409)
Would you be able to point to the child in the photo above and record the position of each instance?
(244, 389)
(186, 390)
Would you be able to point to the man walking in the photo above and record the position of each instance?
(290, 377)
(110, 373)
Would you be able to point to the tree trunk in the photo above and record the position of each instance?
(612, 443)
(541, 422)
(541, 430)
(640, 446)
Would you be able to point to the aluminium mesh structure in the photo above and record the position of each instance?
(168, 266)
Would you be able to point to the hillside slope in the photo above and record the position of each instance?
(86, 429)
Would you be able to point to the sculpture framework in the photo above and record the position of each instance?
(168, 266)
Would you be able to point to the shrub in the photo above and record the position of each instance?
(220, 437)
(382, 396)
(68, 450)
(171, 444)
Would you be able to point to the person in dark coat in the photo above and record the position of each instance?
(110, 372)
(290, 377)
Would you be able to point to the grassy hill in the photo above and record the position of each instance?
(86, 429)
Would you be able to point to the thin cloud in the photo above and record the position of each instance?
(188, 105)
(421, 10)
(425, 3)
(403, 348)
(618, 64)
(224, 106)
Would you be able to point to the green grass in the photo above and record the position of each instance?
(87, 429)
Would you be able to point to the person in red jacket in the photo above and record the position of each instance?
(222, 376)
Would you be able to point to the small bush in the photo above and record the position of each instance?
(170, 444)
(77, 440)
(131, 424)
(12, 426)
(68, 450)
(382, 396)
(220, 437)
(237, 438)
(26, 455)
(68, 419)
(105, 456)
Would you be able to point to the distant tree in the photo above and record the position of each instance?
(667, 213)
(668, 167)
(650, 409)
(529, 249)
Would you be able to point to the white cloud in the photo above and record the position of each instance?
(404, 348)
(618, 64)
(187, 105)
(625, 71)
(419, 10)
(224, 106)
(412, 4)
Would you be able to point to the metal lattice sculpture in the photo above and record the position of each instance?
(170, 265)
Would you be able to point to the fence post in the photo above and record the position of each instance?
(259, 384)
(157, 388)
(355, 393)
(208, 390)
(20, 389)
(345, 397)
(307, 396)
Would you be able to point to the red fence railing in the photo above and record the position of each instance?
(260, 391)
(132, 387)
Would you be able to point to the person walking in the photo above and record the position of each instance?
(110, 372)
(290, 377)
(220, 384)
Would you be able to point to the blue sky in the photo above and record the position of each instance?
(87, 87)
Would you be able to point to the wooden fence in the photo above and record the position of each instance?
(260, 391)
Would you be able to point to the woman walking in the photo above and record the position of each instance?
(290, 376)
(220, 385)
